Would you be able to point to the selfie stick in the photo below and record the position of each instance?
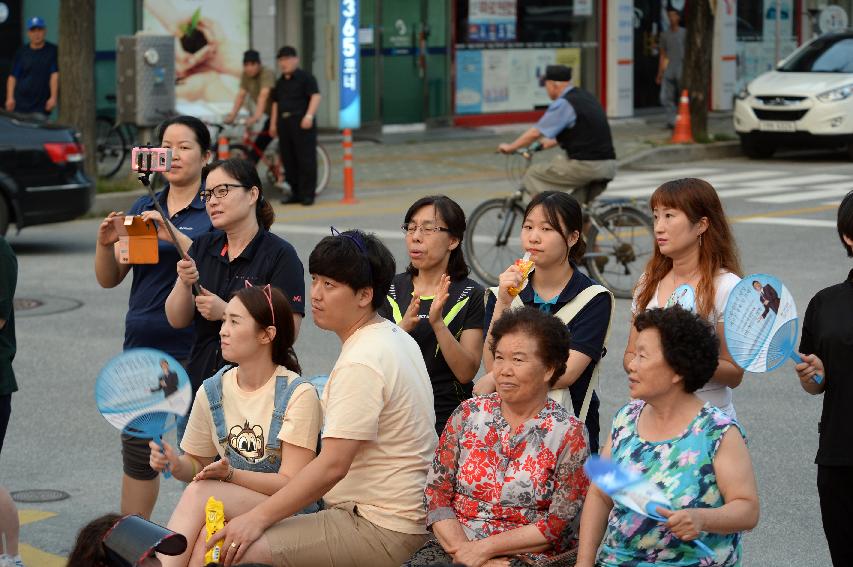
(143, 165)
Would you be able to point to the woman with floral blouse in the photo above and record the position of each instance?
(507, 477)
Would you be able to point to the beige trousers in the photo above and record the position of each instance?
(570, 175)
(339, 537)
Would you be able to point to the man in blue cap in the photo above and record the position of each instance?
(33, 84)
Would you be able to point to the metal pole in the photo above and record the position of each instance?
(349, 176)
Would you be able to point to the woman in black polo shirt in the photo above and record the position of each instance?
(436, 302)
(827, 351)
(552, 234)
(241, 248)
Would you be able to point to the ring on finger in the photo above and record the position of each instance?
(234, 545)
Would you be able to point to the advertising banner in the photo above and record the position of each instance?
(491, 20)
(349, 115)
(210, 38)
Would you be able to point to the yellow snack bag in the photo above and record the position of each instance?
(526, 264)
(214, 520)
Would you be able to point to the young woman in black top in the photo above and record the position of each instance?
(436, 302)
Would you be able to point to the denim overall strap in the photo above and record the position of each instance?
(213, 389)
(283, 393)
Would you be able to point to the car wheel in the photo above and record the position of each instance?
(4, 216)
(754, 149)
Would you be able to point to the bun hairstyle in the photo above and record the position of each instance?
(264, 309)
(246, 174)
(565, 215)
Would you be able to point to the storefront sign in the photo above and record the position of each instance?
(491, 20)
(832, 19)
(349, 115)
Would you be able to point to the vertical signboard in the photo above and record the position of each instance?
(349, 115)
(724, 62)
(620, 58)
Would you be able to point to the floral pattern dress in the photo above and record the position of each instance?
(683, 468)
(493, 479)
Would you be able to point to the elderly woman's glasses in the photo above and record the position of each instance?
(426, 229)
(220, 191)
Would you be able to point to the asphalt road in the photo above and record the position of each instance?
(783, 212)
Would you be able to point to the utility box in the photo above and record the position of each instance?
(137, 240)
(145, 76)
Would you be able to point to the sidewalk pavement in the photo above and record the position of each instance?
(440, 159)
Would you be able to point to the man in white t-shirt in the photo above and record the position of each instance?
(378, 437)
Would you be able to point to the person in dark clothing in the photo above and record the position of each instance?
(33, 84)
(769, 297)
(576, 122)
(295, 102)
(826, 352)
(168, 381)
(8, 282)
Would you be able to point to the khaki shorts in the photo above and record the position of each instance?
(569, 175)
(338, 537)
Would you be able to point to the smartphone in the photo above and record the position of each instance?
(146, 159)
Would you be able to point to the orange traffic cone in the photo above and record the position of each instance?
(222, 150)
(682, 133)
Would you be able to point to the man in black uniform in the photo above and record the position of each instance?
(295, 101)
(577, 123)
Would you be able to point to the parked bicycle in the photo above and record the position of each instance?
(620, 237)
(270, 168)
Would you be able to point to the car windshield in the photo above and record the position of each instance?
(825, 55)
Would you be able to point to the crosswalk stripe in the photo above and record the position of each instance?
(740, 176)
(790, 221)
(803, 180)
(803, 196)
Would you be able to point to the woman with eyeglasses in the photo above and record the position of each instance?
(436, 302)
(240, 249)
(145, 323)
(260, 417)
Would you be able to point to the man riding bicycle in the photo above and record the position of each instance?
(577, 123)
(257, 81)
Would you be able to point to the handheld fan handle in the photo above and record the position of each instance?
(818, 379)
(166, 472)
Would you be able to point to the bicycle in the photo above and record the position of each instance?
(620, 237)
(269, 163)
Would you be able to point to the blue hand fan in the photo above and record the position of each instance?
(761, 324)
(684, 296)
(141, 390)
(631, 490)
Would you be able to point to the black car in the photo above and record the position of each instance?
(41, 173)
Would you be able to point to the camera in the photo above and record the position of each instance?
(146, 159)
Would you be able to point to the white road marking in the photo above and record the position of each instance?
(791, 221)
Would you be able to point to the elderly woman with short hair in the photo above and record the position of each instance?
(507, 478)
(694, 452)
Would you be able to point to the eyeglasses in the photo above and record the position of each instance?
(220, 191)
(426, 229)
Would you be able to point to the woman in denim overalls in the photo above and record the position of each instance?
(241, 416)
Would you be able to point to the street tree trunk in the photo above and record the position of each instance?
(77, 73)
(697, 63)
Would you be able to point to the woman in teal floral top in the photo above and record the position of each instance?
(692, 451)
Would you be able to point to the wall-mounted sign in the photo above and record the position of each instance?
(832, 19)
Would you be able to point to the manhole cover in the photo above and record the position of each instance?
(39, 495)
(44, 305)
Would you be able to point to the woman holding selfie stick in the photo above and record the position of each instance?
(145, 323)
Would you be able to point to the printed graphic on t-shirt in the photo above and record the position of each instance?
(248, 441)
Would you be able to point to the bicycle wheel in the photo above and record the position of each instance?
(324, 168)
(621, 241)
(492, 244)
(270, 169)
(111, 147)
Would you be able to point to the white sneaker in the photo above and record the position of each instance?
(10, 561)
